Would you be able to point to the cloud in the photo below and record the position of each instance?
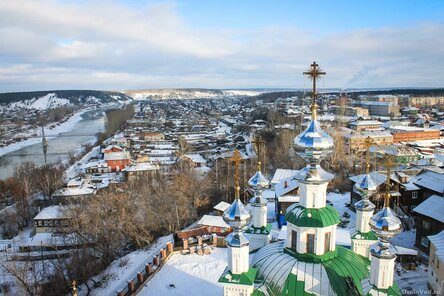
(107, 45)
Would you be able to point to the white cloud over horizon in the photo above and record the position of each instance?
(105, 45)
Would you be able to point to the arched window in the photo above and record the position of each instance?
(294, 240)
(310, 243)
(327, 242)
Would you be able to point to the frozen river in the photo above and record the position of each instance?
(81, 132)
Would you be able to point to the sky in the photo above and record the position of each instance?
(137, 44)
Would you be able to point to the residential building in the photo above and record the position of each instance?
(435, 278)
(429, 220)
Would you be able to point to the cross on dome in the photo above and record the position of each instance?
(314, 72)
(236, 158)
(258, 145)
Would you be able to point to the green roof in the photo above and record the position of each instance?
(365, 235)
(245, 278)
(342, 270)
(293, 287)
(346, 271)
(260, 230)
(311, 258)
(304, 217)
(391, 291)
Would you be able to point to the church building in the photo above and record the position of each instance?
(308, 261)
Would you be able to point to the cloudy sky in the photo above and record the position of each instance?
(126, 44)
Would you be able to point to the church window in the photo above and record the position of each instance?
(327, 242)
(310, 243)
(294, 240)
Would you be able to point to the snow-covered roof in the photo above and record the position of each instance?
(432, 207)
(366, 122)
(216, 221)
(73, 191)
(431, 180)
(117, 155)
(285, 185)
(196, 158)
(52, 212)
(142, 166)
(438, 241)
(280, 174)
(222, 206)
(269, 194)
(289, 198)
(283, 233)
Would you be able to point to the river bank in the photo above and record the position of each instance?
(63, 140)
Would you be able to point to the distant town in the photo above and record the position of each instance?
(117, 215)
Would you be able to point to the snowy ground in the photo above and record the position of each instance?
(190, 275)
(413, 280)
(118, 276)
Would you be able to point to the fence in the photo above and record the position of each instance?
(151, 268)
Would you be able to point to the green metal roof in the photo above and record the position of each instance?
(260, 230)
(309, 257)
(341, 271)
(245, 278)
(304, 217)
(346, 271)
(365, 235)
(293, 287)
(391, 291)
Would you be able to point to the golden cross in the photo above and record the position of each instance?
(236, 158)
(368, 143)
(258, 145)
(314, 72)
(389, 164)
(74, 289)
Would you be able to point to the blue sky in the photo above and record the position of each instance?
(126, 44)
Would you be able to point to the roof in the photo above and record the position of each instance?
(376, 177)
(260, 230)
(142, 166)
(280, 174)
(279, 271)
(364, 235)
(117, 155)
(215, 221)
(74, 191)
(52, 212)
(438, 241)
(366, 122)
(197, 158)
(285, 185)
(432, 207)
(245, 278)
(222, 206)
(303, 217)
(431, 180)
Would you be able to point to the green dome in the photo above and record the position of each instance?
(303, 217)
(280, 273)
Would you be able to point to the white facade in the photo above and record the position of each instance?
(363, 220)
(238, 259)
(258, 240)
(319, 240)
(313, 195)
(259, 215)
(381, 272)
(238, 290)
(362, 247)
